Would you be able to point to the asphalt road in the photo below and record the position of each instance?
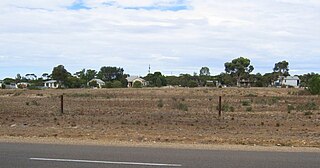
(13, 155)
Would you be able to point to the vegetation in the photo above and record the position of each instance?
(314, 85)
(137, 84)
(236, 71)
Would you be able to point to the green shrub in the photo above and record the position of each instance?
(290, 108)
(182, 106)
(192, 84)
(308, 106)
(314, 85)
(246, 103)
(226, 107)
(160, 103)
(249, 109)
(108, 85)
(137, 84)
(308, 113)
(116, 84)
(93, 84)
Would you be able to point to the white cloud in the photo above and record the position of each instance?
(42, 34)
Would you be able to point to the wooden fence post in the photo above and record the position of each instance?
(61, 98)
(220, 106)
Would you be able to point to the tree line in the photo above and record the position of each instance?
(236, 71)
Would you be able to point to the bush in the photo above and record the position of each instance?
(226, 108)
(314, 85)
(116, 84)
(290, 108)
(137, 84)
(246, 103)
(182, 107)
(93, 84)
(192, 84)
(249, 109)
(108, 85)
(308, 113)
(160, 103)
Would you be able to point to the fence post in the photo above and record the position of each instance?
(220, 107)
(61, 98)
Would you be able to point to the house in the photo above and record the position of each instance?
(23, 85)
(11, 86)
(292, 81)
(1, 83)
(51, 84)
(132, 79)
(99, 82)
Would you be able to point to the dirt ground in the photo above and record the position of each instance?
(251, 116)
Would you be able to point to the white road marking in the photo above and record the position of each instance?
(106, 162)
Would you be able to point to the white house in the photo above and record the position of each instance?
(292, 81)
(51, 84)
(132, 79)
(1, 83)
(99, 82)
(23, 85)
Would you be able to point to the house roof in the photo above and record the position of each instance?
(292, 78)
(99, 81)
(132, 78)
(51, 81)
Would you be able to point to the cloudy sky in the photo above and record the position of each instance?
(173, 36)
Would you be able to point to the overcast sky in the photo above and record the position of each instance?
(173, 36)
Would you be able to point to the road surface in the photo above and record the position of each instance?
(15, 155)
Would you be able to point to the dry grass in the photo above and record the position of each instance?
(178, 115)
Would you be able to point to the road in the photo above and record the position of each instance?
(14, 155)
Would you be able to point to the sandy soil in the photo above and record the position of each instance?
(180, 116)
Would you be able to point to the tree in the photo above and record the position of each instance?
(18, 78)
(60, 74)
(282, 68)
(110, 73)
(239, 68)
(314, 85)
(45, 76)
(204, 71)
(156, 79)
(86, 75)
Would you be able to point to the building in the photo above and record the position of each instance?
(132, 79)
(291, 81)
(23, 85)
(1, 83)
(51, 84)
(99, 82)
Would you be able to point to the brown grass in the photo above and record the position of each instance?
(251, 116)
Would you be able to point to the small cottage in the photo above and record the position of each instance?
(133, 79)
(51, 84)
(292, 81)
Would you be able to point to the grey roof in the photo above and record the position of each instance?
(291, 78)
(99, 81)
(132, 78)
(50, 81)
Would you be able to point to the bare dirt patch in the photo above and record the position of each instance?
(254, 116)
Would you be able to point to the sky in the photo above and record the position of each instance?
(172, 36)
